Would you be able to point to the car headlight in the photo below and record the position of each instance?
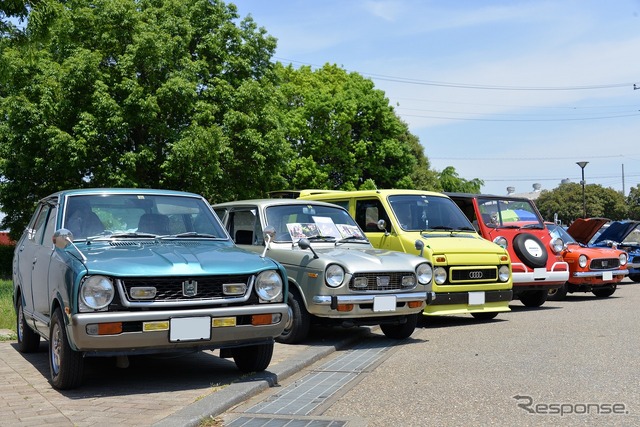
(269, 286)
(582, 261)
(623, 259)
(440, 275)
(501, 241)
(503, 273)
(424, 272)
(334, 275)
(96, 292)
(557, 245)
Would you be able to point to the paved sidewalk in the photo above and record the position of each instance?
(170, 391)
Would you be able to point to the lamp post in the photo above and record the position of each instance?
(584, 201)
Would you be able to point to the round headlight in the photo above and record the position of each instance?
(501, 241)
(269, 285)
(97, 292)
(557, 245)
(582, 261)
(503, 273)
(334, 275)
(623, 259)
(440, 275)
(424, 273)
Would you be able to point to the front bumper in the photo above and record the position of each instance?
(600, 274)
(134, 340)
(540, 278)
(365, 305)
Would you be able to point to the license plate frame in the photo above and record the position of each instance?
(384, 303)
(182, 329)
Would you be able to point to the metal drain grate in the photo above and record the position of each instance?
(283, 422)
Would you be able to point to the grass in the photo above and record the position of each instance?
(7, 313)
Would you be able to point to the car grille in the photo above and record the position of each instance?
(171, 288)
(469, 274)
(383, 281)
(604, 263)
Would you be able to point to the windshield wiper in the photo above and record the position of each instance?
(131, 234)
(350, 238)
(191, 234)
(323, 238)
(536, 226)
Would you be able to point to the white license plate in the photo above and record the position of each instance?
(607, 275)
(539, 273)
(386, 303)
(190, 329)
(476, 298)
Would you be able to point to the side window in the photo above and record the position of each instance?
(368, 213)
(50, 228)
(244, 227)
(342, 203)
(37, 230)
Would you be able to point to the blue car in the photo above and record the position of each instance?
(119, 272)
(626, 236)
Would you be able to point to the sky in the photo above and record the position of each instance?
(512, 92)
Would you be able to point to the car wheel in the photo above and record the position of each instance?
(402, 330)
(66, 365)
(299, 322)
(604, 293)
(484, 316)
(635, 277)
(530, 250)
(557, 294)
(253, 358)
(28, 339)
(533, 298)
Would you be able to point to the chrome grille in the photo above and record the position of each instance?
(393, 283)
(471, 274)
(604, 263)
(170, 288)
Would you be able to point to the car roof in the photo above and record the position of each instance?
(98, 191)
(364, 193)
(275, 202)
(486, 196)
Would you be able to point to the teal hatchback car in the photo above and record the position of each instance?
(119, 272)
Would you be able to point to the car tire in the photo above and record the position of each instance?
(557, 294)
(402, 330)
(523, 243)
(253, 358)
(605, 292)
(635, 277)
(533, 298)
(484, 316)
(28, 339)
(65, 364)
(299, 322)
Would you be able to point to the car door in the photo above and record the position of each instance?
(41, 263)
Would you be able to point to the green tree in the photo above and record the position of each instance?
(140, 93)
(450, 181)
(343, 131)
(566, 201)
(633, 203)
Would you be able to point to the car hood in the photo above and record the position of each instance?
(583, 229)
(170, 258)
(355, 260)
(617, 231)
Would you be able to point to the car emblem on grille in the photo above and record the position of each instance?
(605, 263)
(189, 288)
(475, 275)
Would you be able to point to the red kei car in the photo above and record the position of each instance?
(515, 224)
(596, 270)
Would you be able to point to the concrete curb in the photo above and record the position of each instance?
(221, 401)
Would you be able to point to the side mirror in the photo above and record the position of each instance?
(62, 238)
(382, 225)
(269, 234)
(419, 244)
(306, 244)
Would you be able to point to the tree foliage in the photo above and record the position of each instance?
(633, 203)
(450, 181)
(172, 94)
(343, 132)
(566, 201)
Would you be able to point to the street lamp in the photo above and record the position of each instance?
(584, 201)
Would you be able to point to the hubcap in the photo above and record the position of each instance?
(56, 343)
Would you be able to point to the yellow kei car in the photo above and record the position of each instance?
(471, 275)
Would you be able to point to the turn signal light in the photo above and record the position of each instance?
(110, 328)
(262, 319)
(345, 307)
(414, 304)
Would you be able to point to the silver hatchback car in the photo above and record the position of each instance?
(335, 275)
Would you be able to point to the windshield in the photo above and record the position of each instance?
(139, 215)
(557, 231)
(509, 213)
(422, 212)
(294, 222)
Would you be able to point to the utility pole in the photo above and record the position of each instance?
(584, 200)
(623, 191)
